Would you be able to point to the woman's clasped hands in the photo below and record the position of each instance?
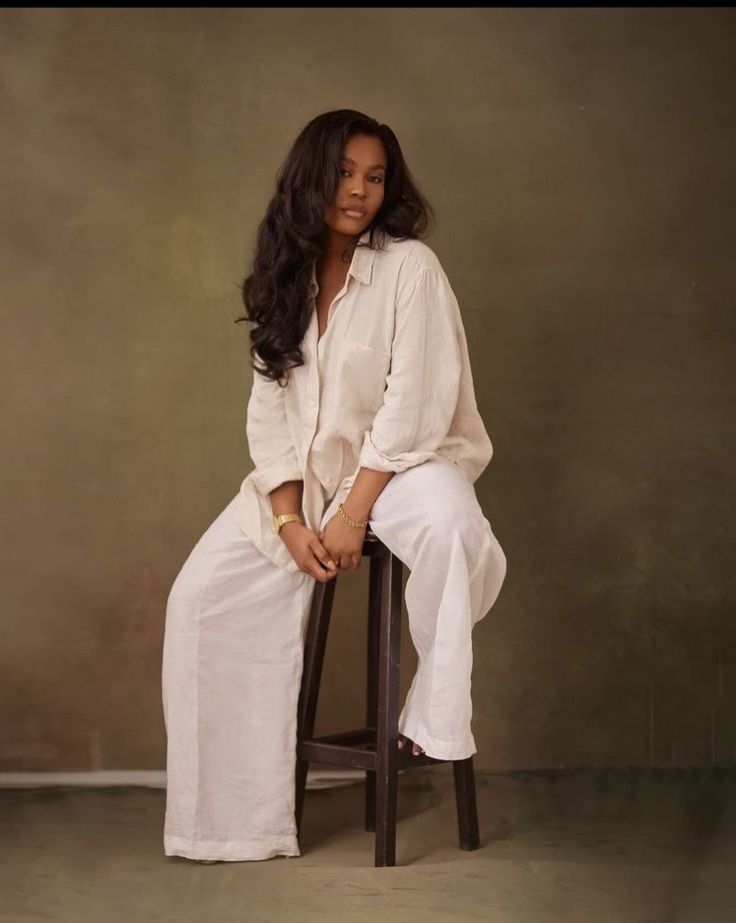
(308, 551)
(339, 546)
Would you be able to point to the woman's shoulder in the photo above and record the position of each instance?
(408, 256)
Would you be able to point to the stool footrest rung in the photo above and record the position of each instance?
(356, 736)
(312, 751)
(331, 748)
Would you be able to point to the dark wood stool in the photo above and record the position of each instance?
(373, 748)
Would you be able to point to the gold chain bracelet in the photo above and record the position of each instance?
(345, 516)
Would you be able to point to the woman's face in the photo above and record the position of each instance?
(361, 187)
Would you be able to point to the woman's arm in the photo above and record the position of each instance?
(269, 439)
(287, 498)
(422, 388)
(419, 402)
(366, 489)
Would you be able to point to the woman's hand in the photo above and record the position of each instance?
(343, 542)
(308, 551)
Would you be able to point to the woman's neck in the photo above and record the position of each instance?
(333, 246)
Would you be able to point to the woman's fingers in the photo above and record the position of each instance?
(325, 567)
(315, 569)
(310, 554)
(322, 554)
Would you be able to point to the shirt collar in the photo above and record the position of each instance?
(361, 265)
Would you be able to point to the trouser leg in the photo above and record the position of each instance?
(430, 518)
(231, 671)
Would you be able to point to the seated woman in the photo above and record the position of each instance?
(362, 410)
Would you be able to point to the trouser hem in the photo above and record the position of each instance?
(232, 850)
(437, 748)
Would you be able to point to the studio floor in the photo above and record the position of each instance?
(605, 846)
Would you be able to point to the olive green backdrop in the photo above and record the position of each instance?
(581, 165)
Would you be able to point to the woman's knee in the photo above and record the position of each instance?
(449, 517)
(431, 505)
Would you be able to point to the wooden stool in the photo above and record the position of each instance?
(375, 747)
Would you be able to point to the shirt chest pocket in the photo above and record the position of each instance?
(359, 378)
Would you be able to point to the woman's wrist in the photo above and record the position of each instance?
(366, 489)
(290, 525)
(356, 517)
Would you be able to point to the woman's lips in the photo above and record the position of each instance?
(352, 213)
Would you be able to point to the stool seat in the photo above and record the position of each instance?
(373, 748)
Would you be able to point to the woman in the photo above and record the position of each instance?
(362, 410)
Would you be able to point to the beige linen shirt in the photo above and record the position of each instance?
(387, 386)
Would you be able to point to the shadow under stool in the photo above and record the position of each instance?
(373, 748)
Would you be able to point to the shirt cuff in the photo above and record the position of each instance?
(267, 479)
(372, 457)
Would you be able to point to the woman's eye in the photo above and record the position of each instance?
(377, 178)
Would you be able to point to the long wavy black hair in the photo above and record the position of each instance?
(288, 240)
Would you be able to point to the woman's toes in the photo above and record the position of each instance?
(416, 750)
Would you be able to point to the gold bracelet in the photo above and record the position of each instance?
(345, 516)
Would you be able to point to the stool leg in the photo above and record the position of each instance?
(387, 731)
(467, 810)
(371, 715)
(314, 655)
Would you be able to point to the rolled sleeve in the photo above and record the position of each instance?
(269, 439)
(423, 383)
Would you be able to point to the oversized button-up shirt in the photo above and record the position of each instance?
(387, 386)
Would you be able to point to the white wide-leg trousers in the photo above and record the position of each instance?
(233, 657)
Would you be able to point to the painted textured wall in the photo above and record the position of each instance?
(581, 165)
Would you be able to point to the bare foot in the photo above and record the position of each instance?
(416, 750)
